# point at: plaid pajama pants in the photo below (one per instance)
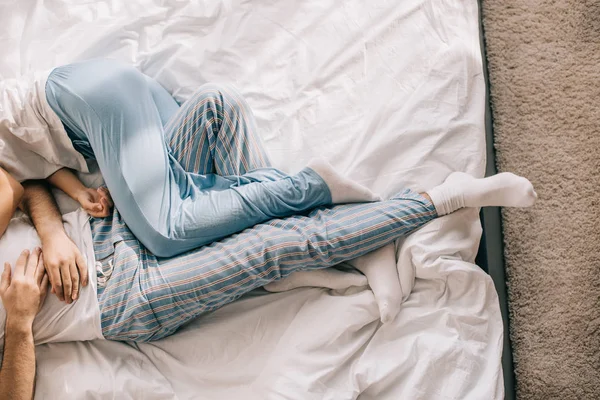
(143, 297)
(187, 191)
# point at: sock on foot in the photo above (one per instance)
(328, 278)
(343, 190)
(379, 267)
(501, 190)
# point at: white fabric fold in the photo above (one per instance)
(392, 94)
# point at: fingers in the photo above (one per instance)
(106, 194)
(91, 206)
(105, 206)
(65, 274)
(91, 203)
(21, 262)
(32, 262)
(44, 284)
(5, 278)
(74, 282)
(83, 270)
(43, 289)
(98, 214)
(40, 271)
(97, 203)
(96, 209)
(56, 280)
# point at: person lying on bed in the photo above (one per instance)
(136, 296)
(212, 134)
(167, 167)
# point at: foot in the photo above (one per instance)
(343, 190)
(501, 190)
(328, 278)
(379, 267)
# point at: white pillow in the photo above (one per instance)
(57, 321)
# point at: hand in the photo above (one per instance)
(96, 202)
(65, 266)
(24, 290)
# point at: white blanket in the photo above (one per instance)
(392, 93)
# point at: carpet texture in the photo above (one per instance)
(544, 66)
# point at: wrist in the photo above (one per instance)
(22, 326)
(48, 236)
(77, 193)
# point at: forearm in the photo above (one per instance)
(65, 265)
(41, 207)
(65, 180)
(17, 375)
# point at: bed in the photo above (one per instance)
(394, 95)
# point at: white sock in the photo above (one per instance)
(330, 278)
(343, 190)
(501, 190)
(379, 267)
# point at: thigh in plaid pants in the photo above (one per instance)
(182, 177)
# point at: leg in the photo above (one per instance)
(379, 266)
(329, 278)
(215, 132)
(231, 147)
(154, 301)
(167, 208)
(501, 190)
(379, 272)
(165, 104)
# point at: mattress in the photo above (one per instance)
(392, 94)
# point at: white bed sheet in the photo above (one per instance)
(392, 93)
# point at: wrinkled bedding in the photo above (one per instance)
(391, 93)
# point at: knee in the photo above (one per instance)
(226, 96)
(107, 71)
(109, 87)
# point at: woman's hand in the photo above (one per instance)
(96, 202)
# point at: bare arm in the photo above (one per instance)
(11, 192)
(66, 181)
(23, 292)
(64, 263)
(96, 202)
(18, 365)
(41, 207)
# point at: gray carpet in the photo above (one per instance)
(544, 65)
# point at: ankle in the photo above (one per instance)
(424, 194)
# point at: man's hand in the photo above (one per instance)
(65, 266)
(24, 290)
(96, 202)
